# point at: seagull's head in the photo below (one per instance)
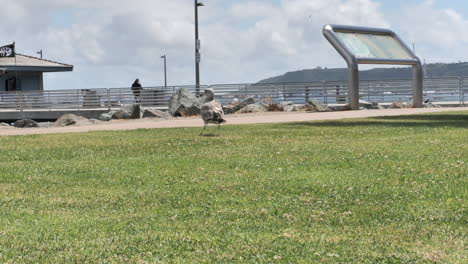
(209, 94)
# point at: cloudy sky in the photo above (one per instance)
(112, 42)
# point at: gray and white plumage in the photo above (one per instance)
(211, 111)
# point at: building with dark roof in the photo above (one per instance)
(25, 73)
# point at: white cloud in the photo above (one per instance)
(112, 42)
(253, 9)
(439, 34)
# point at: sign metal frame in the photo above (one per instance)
(329, 31)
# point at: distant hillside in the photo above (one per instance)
(435, 70)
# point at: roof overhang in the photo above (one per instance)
(26, 63)
(36, 69)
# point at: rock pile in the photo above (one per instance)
(25, 123)
(71, 120)
(287, 106)
(126, 112)
(396, 105)
(184, 103)
(431, 105)
(232, 108)
(316, 106)
(106, 117)
(254, 108)
(153, 113)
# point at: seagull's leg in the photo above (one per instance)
(219, 129)
(204, 127)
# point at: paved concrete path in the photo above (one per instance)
(237, 119)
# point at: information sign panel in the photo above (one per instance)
(360, 45)
(374, 46)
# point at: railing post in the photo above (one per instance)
(381, 91)
(325, 97)
(142, 97)
(462, 92)
(108, 99)
(78, 99)
(306, 93)
(368, 91)
(50, 101)
(21, 100)
(284, 92)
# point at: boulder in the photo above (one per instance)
(127, 112)
(273, 107)
(431, 105)
(300, 107)
(396, 105)
(25, 123)
(254, 108)
(45, 124)
(71, 120)
(153, 113)
(230, 109)
(282, 107)
(367, 105)
(184, 103)
(106, 116)
(95, 121)
(339, 108)
(381, 107)
(4, 125)
(316, 106)
(288, 106)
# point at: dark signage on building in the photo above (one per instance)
(7, 51)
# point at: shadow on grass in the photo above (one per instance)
(440, 120)
(210, 135)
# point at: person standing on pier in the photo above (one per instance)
(136, 89)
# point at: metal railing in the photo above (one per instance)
(84, 99)
(454, 90)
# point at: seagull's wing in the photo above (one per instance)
(218, 112)
(207, 112)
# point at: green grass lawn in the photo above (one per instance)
(378, 190)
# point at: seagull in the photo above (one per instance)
(212, 111)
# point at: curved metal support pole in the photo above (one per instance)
(353, 69)
(417, 85)
(353, 86)
(353, 61)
